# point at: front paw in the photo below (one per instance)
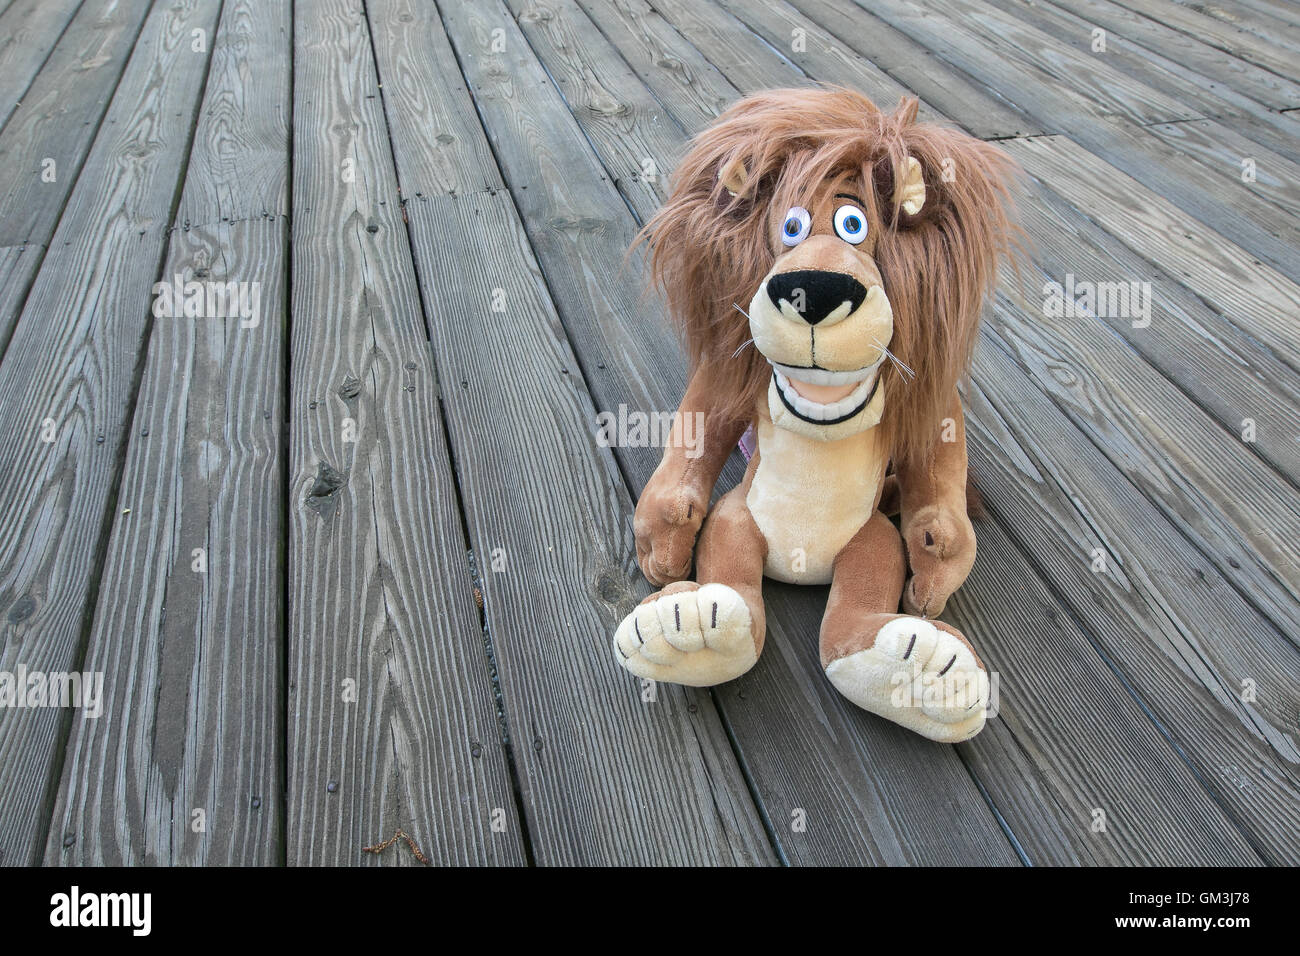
(666, 525)
(940, 552)
(688, 634)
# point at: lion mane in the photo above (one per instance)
(710, 249)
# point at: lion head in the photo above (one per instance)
(813, 240)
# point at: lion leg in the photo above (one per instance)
(921, 674)
(711, 632)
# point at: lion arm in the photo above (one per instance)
(676, 498)
(936, 529)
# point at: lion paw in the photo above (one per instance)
(697, 636)
(919, 676)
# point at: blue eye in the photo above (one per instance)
(796, 226)
(850, 224)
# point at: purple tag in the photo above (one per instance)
(747, 443)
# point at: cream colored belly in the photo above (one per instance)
(810, 497)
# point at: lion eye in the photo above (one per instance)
(850, 224)
(795, 228)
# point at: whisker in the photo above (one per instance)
(898, 364)
(747, 342)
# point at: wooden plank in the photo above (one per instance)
(1256, 298)
(1219, 93)
(193, 657)
(1173, 46)
(844, 59)
(62, 113)
(390, 715)
(606, 777)
(1069, 740)
(1256, 20)
(980, 111)
(1223, 36)
(1217, 146)
(1178, 633)
(1225, 371)
(1235, 508)
(28, 31)
(968, 36)
(856, 779)
(1076, 80)
(17, 266)
(79, 373)
(1283, 10)
(690, 87)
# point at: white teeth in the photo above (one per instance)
(818, 412)
(825, 376)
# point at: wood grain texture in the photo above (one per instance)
(18, 264)
(689, 87)
(858, 778)
(1211, 94)
(1076, 80)
(981, 111)
(1223, 369)
(1275, 26)
(391, 722)
(1227, 72)
(193, 657)
(1258, 299)
(1047, 82)
(29, 30)
(61, 114)
(606, 776)
(1182, 637)
(1237, 510)
(1223, 36)
(1069, 733)
(79, 374)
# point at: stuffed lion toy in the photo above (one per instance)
(827, 264)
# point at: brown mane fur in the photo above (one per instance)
(710, 250)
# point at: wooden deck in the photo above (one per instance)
(326, 561)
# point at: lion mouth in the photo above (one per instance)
(816, 375)
(825, 413)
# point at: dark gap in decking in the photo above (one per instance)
(286, 448)
(503, 722)
(107, 522)
(993, 807)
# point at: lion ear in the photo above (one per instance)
(910, 189)
(733, 175)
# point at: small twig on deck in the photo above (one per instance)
(400, 834)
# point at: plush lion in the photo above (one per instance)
(827, 264)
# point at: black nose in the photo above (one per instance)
(815, 294)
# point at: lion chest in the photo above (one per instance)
(809, 497)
